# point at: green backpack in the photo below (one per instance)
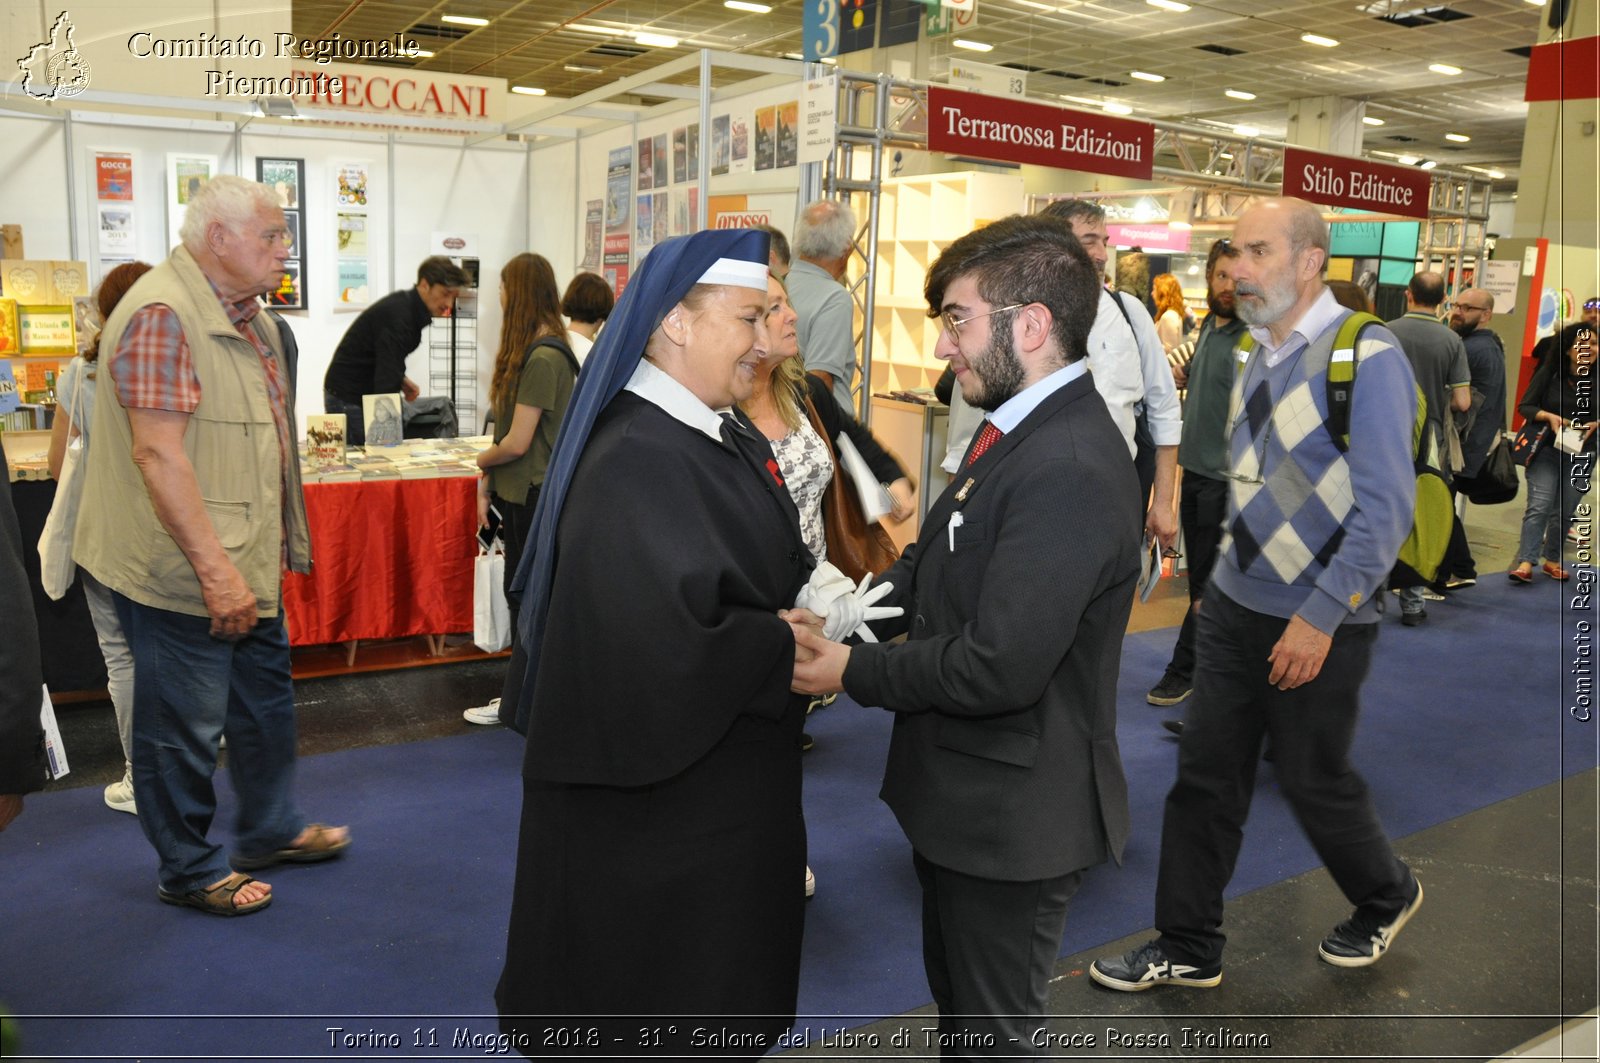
(1433, 516)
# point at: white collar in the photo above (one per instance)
(657, 387)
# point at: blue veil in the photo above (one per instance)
(664, 278)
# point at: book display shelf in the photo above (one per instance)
(918, 218)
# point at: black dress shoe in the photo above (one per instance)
(1175, 726)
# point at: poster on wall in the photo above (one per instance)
(680, 211)
(644, 228)
(186, 175)
(351, 193)
(285, 177)
(619, 228)
(739, 143)
(351, 185)
(694, 151)
(647, 169)
(680, 155)
(593, 226)
(721, 150)
(663, 163)
(352, 283)
(352, 229)
(662, 212)
(288, 295)
(766, 137)
(113, 176)
(116, 230)
(787, 135)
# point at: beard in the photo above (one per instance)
(998, 373)
(1464, 329)
(1274, 301)
(1224, 305)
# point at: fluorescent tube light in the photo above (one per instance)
(1238, 94)
(1319, 40)
(972, 46)
(1371, 120)
(1143, 76)
(1174, 5)
(1445, 69)
(656, 40)
(527, 90)
(745, 5)
(1458, 138)
(464, 20)
(1116, 108)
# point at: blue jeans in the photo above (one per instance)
(188, 689)
(1556, 482)
(355, 430)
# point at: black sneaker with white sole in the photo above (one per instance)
(1362, 940)
(1172, 689)
(1147, 966)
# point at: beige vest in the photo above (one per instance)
(230, 440)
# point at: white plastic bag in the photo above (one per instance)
(56, 568)
(491, 619)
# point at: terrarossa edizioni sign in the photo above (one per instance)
(1012, 130)
(1340, 181)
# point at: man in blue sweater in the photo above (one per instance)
(1286, 635)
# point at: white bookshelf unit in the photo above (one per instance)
(918, 218)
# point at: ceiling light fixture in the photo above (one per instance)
(604, 30)
(1086, 101)
(1246, 131)
(828, 60)
(745, 5)
(1367, 118)
(1430, 164)
(1319, 40)
(1444, 68)
(577, 69)
(421, 53)
(1457, 138)
(1238, 94)
(1116, 108)
(1407, 160)
(527, 90)
(656, 40)
(1174, 5)
(1143, 76)
(464, 20)
(1225, 155)
(972, 46)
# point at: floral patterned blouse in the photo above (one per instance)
(807, 468)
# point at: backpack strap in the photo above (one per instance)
(1341, 376)
(557, 343)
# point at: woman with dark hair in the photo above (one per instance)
(533, 376)
(587, 302)
(74, 416)
(1561, 395)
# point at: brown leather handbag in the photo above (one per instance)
(855, 547)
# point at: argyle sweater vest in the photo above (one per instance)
(1290, 496)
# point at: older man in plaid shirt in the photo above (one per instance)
(191, 510)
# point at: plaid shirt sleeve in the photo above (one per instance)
(152, 367)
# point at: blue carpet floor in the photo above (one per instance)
(407, 932)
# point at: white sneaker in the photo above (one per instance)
(811, 883)
(119, 795)
(484, 715)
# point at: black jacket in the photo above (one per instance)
(371, 358)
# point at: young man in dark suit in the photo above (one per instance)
(1003, 768)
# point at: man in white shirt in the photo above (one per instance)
(1129, 368)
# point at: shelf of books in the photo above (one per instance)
(45, 318)
(918, 218)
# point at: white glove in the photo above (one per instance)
(844, 607)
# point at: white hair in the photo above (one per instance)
(826, 229)
(226, 199)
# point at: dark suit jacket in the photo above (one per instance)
(1004, 761)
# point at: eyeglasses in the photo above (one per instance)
(1469, 306)
(952, 324)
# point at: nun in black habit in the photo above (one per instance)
(661, 860)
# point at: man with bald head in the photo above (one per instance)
(1286, 635)
(1470, 315)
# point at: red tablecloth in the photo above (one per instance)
(389, 558)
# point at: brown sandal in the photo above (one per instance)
(321, 846)
(218, 900)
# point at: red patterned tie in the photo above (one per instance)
(986, 439)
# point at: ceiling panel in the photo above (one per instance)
(562, 46)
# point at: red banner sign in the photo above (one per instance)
(1564, 70)
(1340, 181)
(988, 127)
